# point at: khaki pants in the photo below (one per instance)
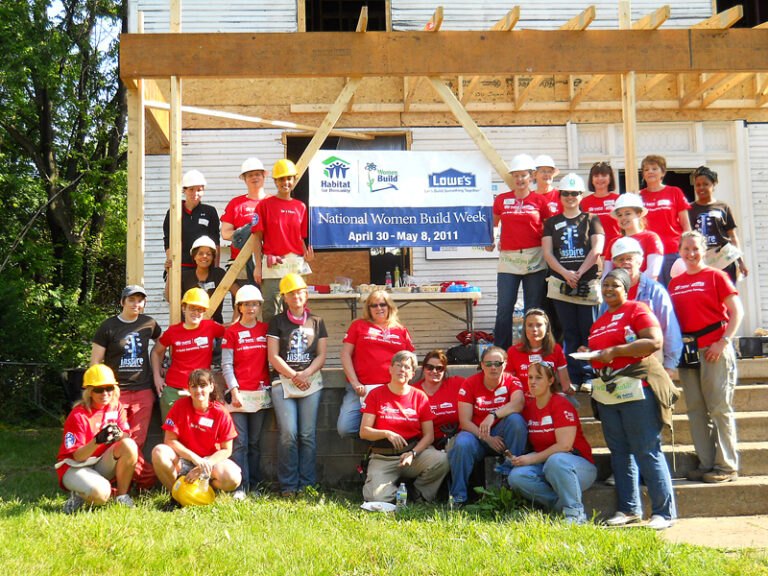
(85, 478)
(428, 469)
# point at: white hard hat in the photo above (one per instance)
(572, 182)
(544, 160)
(250, 164)
(522, 162)
(193, 178)
(200, 242)
(629, 200)
(248, 293)
(626, 245)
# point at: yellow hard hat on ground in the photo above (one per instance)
(292, 282)
(190, 494)
(283, 168)
(99, 375)
(197, 297)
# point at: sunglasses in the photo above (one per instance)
(566, 193)
(101, 389)
(599, 164)
(434, 368)
(494, 363)
(379, 305)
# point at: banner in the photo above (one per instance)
(364, 199)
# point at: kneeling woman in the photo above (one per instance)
(398, 420)
(97, 446)
(561, 467)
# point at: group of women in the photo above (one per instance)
(442, 424)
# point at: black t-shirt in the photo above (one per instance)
(714, 221)
(202, 221)
(572, 240)
(215, 276)
(127, 349)
(298, 342)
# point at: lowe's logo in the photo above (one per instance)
(335, 167)
(452, 178)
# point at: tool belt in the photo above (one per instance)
(384, 448)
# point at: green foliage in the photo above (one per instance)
(500, 500)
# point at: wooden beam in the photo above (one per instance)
(578, 22)
(723, 87)
(449, 53)
(703, 87)
(472, 129)
(762, 91)
(159, 119)
(362, 26)
(134, 241)
(409, 86)
(506, 24)
(174, 17)
(174, 236)
(629, 111)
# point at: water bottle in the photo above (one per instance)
(629, 335)
(203, 484)
(402, 496)
(388, 280)
(397, 275)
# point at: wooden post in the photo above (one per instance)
(174, 274)
(134, 242)
(629, 111)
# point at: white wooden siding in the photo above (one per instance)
(758, 161)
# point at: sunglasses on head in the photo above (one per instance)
(569, 193)
(599, 164)
(434, 367)
(379, 305)
(104, 389)
(494, 363)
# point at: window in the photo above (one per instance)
(342, 15)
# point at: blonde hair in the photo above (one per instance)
(87, 401)
(392, 317)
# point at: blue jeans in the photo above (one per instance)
(556, 483)
(468, 450)
(348, 423)
(633, 429)
(507, 286)
(246, 451)
(666, 266)
(296, 445)
(576, 320)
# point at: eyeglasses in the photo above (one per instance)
(566, 193)
(379, 305)
(101, 389)
(399, 365)
(494, 363)
(434, 367)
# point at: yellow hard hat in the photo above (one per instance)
(197, 297)
(283, 168)
(99, 375)
(292, 282)
(189, 493)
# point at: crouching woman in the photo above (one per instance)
(398, 420)
(560, 467)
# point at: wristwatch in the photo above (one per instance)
(727, 339)
(495, 416)
(415, 454)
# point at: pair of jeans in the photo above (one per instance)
(246, 450)
(468, 450)
(577, 321)
(633, 429)
(666, 267)
(507, 286)
(348, 423)
(296, 445)
(556, 483)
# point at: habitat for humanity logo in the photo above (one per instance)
(335, 171)
(452, 178)
(380, 180)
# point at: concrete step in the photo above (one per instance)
(751, 427)
(682, 459)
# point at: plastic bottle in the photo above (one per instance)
(203, 485)
(388, 280)
(629, 335)
(402, 496)
(397, 275)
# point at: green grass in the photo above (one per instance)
(323, 534)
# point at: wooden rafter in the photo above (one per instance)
(579, 22)
(362, 26)
(409, 85)
(725, 85)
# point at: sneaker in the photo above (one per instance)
(718, 476)
(125, 500)
(621, 519)
(696, 475)
(610, 481)
(171, 505)
(73, 504)
(238, 495)
(659, 522)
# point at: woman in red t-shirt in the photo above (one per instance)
(708, 307)
(630, 213)
(398, 420)
(443, 394)
(560, 467)
(602, 184)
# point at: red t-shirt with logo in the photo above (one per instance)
(444, 403)
(663, 209)
(82, 425)
(699, 301)
(611, 330)
(283, 224)
(552, 200)
(190, 350)
(542, 423)
(602, 208)
(650, 243)
(374, 348)
(201, 432)
(473, 391)
(250, 354)
(239, 212)
(522, 221)
(519, 361)
(401, 414)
